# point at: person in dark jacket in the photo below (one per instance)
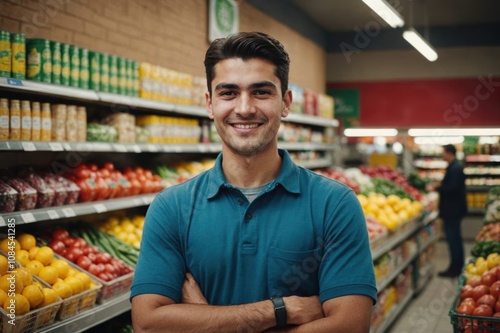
(452, 209)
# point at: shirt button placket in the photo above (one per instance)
(248, 217)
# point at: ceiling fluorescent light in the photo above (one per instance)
(453, 131)
(383, 9)
(438, 140)
(413, 37)
(364, 132)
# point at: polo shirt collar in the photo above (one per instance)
(288, 176)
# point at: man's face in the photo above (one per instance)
(246, 104)
(448, 157)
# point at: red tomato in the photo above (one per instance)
(95, 270)
(469, 300)
(483, 311)
(488, 278)
(148, 174)
(69, 241)
(79, 242)
(497, 306)
(75, 253)
(84, 262)
(487, 299)
(103, 258)
(110, 269)
(465, 309)
(475, 281)
(103, 190)
(479, 291)
(135, 186)
(86, 191)
(59, 234)
(57, 245)
(109, 166)
(495, 288)
(81, 171)
(92, 256)
(103, 173)
(466, 291)
(93, 167)
(104, 276)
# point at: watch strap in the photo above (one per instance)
(279, 311)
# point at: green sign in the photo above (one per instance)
(223, 18)
(346, 102)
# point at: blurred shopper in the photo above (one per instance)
(256, 243)
(452, 209)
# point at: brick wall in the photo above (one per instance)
(170, 33)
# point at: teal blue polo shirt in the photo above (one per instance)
(304, 235)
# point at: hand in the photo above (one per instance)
(191, 292)
(302, 310)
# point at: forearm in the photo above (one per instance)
(327, 325)
(186, 318)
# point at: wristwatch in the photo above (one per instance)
(279, 311)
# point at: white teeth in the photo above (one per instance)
(245, 126)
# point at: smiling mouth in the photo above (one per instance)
(245, 126)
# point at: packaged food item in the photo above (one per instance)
(65, 65)
(135, 76)
(74, 65)
(55, 50)
(124, 124)
(4, 119)
(39, 60)
(101, 133)
(46, 120)
(58, 122)
(15, 120)
(45, 194)
(72, 189)
(25, 120)
(27, 195)
(81, 120)
(18, 45)
(104, 73)
(113, 74)
(84, 68)
(94, 70)
(8, 198)
(71, 123)
(60, 193)
(297, 98)
(35, 121)
(310, 102)
(5, 54)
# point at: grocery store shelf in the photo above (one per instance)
(422, 280)
(305, 145)
(85, 320)
(313, 164)
(394, 274)
(395, 239)
(479, 188)
(482, 158)
(394, 313)
(54, 213)
(432, 239)
(311, 120)
(430, 217)
(474, 210)
(47, 89)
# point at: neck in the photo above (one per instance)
(251, 171)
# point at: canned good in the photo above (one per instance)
(104, 83)
(55, 50)
(95, 70)
(113, 74)
(39, 60)
(74, 65)
(84, 68)
(65, 65)
(130, 77)
(18, 45)
(122, 76)
(135, 78)
(5, 54)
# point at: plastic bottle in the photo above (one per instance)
(25, 120)
(35, 121)
(46, 122)
(4, 119)
(15, 120)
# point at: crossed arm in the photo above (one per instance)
(156, 313)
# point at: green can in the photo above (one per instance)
(55, 50)
(104, 84)
(5, 54)
(39, 60)
(135, 78)
(18, 46)
(122, 76)
(95, 70)
(113, 74)
(130, 77)
(74, 66)
(65, 65)
(84, 68)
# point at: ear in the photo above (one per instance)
(287, 103)
(208, 102)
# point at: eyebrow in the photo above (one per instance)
(256, 85)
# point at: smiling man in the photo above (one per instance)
(257, 243)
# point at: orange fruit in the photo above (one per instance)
(4, 265)
(33, 252)
(34, 295)
(37, 283)
(23, 257)
(85, 279)
(72, 271)
(45, 255)
(48, 274)
(11, 280)
(6, 242)
(20, 302)
(34, 266)
(62, 289)
(25, 275)
(26, 241)
(62, 267)
(75, 284)
(49, 296)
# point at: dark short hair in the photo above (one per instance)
(450, 149)
(248, 45)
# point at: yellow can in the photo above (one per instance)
(18, 45)
(5, 54)
(4, 119)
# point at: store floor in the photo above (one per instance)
(428, 311)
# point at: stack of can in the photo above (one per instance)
(12, 55)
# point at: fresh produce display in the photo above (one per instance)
(490, 231)
(125, 229)
(88, 257)
(493, 205)
(339, 176)
(417, 182)
(375, 229)
(403, 188)
(363, 181)
(181, 171)
(483, 248)
(101, 133)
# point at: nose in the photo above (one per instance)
(244, 106)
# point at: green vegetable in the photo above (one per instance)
(101, 133)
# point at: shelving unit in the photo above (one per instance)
(394, 313)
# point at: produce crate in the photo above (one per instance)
(469, 323)
(111, 289)
(78, 303)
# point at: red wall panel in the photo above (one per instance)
(431, 103)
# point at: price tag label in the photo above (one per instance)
(120, 148)
(53, 214)
(68, 212)
(100, 208)
(202, 148)
(28, 217)
(28, 146)
(136, 149)
(55, 146)
(137, 202)
(2, 222)
(15, 82)
(147, 200)
(177, 149)
(67, 146)
(4, 145)
(152, 148)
